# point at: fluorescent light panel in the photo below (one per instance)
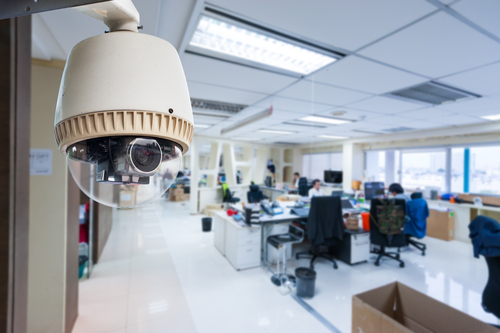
(325, 120)
(274, 132)
(235, 41)
(246, 139)
(201, 126)
(492, 117)
(332, 137)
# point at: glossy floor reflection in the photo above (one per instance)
(160, 273)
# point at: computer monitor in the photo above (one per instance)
(374, 190)
(337, 193)
(333, 177)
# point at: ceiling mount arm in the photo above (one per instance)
(118, 15)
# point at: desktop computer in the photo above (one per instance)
(374, 190)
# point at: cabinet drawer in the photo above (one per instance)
(249, 232)
(248, 254)
(360, 239)
(253, 239)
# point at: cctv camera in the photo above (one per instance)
(123, 116)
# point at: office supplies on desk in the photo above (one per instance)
(347, 207)
(267, 208)
(276, 208)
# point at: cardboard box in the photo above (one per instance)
(441, 225)
(398, 308)
(289, 197)
(352, 223)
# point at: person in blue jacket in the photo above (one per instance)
(417, 213)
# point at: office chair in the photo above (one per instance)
(280, 242)
(485, 236)
(381, 211)
(417, 213)
(255, 195)
(325, 228)
(228, 195)
(303, 187)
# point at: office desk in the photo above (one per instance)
(272, 193)
(237, 241)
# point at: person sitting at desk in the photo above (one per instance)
(315, 190)
(398, 192)
(295, 182)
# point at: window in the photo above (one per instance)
(485, 170)
(424, 168)
(375, 166)
(314, 165)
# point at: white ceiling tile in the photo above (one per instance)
(423, 124)
(483, 81)
(425, 113)
(44, 44)
(350, 114)
(389, 120)
(222, 94)
(321, 93)
(471, 107)
(345, 24)
(458, 119)
(292, 105)
(437, 46)
(365, 75)
(484, 13)
(385, 105)
(222, 73)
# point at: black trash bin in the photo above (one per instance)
(306, 278)
(206, 224)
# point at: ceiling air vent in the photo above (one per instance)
(399, 129)
(432, 93)
(225, 108)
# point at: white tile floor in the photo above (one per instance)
(160, 273)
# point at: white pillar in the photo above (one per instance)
(390, 167)
(353, 164)
(195, 175)
(260, 165)
(229, 164)
(215, 152)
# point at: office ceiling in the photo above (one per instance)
(390, 45)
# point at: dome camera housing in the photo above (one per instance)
(123, 117)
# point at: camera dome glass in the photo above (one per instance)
(124, 172)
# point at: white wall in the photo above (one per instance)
(48, 204)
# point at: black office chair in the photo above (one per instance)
(324, 229)
(387, 237)
(228, 196)
(417, 213)
(485, 236)
(255, 195)
(303, 188)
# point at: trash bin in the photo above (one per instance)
(206, 224)
(306, 278)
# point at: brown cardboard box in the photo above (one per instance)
(441, 225)
(352, 223)
(397, 308)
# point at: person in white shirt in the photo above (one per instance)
(315, 191)
(296, 177)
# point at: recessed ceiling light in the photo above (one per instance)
(332, 137)
(325, 120)
(492, 117)
(246, 139)
(274, 132)
(222, 38)
(201, 126)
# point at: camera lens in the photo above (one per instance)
(145, 155)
